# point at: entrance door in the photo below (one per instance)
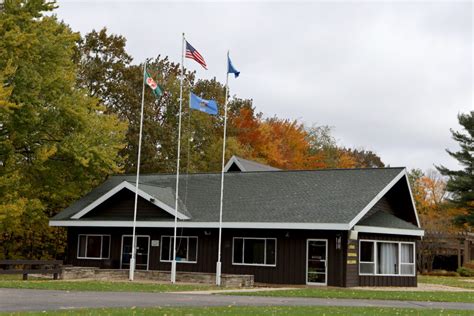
(316, 265)
(143, 249)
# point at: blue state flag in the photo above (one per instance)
(230, 68)
(206, 106)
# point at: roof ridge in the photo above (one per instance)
(260, 171)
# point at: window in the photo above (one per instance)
(93, 247)
(407, 259)
(367, 260)
(186, 249)
(254, 251)
(386, 258)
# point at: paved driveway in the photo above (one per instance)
(39, 300)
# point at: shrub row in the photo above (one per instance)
(466, 272)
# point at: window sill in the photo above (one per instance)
(255, 265)
(169, 261)
(384, 275)
(90, 258)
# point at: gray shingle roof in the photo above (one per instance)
(166, 195)
(385, 219)
(317, 196)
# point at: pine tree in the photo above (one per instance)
(461, 182)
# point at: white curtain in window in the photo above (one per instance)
(388, 258)
(406, 253)
(407, 260)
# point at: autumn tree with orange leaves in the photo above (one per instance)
(288, 144)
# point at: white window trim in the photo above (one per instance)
(101, 245)
(264, 252)
(399, 257)
(187, 248)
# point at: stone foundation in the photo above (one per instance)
(228, 280)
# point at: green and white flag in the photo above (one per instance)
(153, 85)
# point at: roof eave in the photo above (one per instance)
(190, 224)
(389, 230)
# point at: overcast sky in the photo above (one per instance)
(388, 77)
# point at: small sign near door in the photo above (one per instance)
(155, 243)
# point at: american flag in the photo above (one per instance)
(194, 54)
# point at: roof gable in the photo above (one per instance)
(394, 213)
(146, 192)
(236, 164)
(398, 192)
(120, 206)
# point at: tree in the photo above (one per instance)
(56, 142)
(284, 144)
(461, 182)
(364, 158)
(327, 154)
(106, 72)
(436, 216)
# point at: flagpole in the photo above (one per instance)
(134, 250)
(173, 262)
(219, 264)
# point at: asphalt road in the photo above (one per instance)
(42, 300)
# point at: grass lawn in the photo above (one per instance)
(14, 281)
(462, 282)
(232, 310)
(441, 296)
(320, 292)
(466, 297)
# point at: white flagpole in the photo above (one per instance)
(173, 262)
(134, 250)
(219, 264)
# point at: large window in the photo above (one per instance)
(254, 251)
(93, 247)
(386, 258)
(186, 249)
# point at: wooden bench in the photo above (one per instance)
(26, 267)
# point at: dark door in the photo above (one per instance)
(316, 265)
(143, 248)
